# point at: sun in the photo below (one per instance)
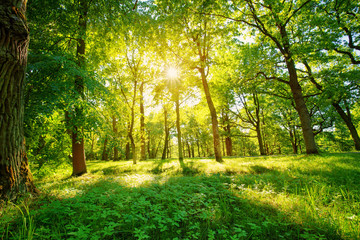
(172, 73)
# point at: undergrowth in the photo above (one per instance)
(287, 197)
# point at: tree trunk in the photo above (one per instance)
(169, 147)
(260, 140)
(133, 148)
(188, 148)
(293, 141)
(198, 148)
(104, 156)
(142, 123)
(78, 149)
(227, 129)
(149, 145)
(115, 131)
(347, 119)
(166, 140)
(127, 151)
(131, 137)
(214, 121)
(301, 108)
(15, 176)
(177, 103)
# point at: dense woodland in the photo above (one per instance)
(132, 80)
(137, 119)
(136, 80)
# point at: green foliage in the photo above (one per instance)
(290, 197)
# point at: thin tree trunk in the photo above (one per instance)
(133, 148)
(198, 148)
(149, 145)
(15, 176)
(293, 142)
(169, 148)
(127, 151)
(188, 148)
(115, 131)
(227, 129)
(214, 121)
(104, 156)
(131, 137)
(131, 128)
(166, 139)
(142, 123)
(177, 103)
(260, 140)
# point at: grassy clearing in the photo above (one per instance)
(282, 197)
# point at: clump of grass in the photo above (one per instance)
(289, 197)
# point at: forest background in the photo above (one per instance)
(248, 54)
(138, 80)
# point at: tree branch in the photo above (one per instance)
(351, 56)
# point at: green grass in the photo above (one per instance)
(280, 197)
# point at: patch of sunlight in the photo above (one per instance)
(71, 192)
(137, 180)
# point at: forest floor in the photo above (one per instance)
(279, 197)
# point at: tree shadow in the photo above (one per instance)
(201, 207)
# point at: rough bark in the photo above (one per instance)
(15, 175)
(300, 106)
(214, 121)
(142, 124)
(78, 148)
(177, 103)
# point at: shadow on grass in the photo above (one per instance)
(186, 169)
(200, 207)
(113, 170)
(194, 206)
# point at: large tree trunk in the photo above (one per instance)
(142, 123)
(15, 175)
(214, 121)
(301, 108)
(78, 149)
(177, 103)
